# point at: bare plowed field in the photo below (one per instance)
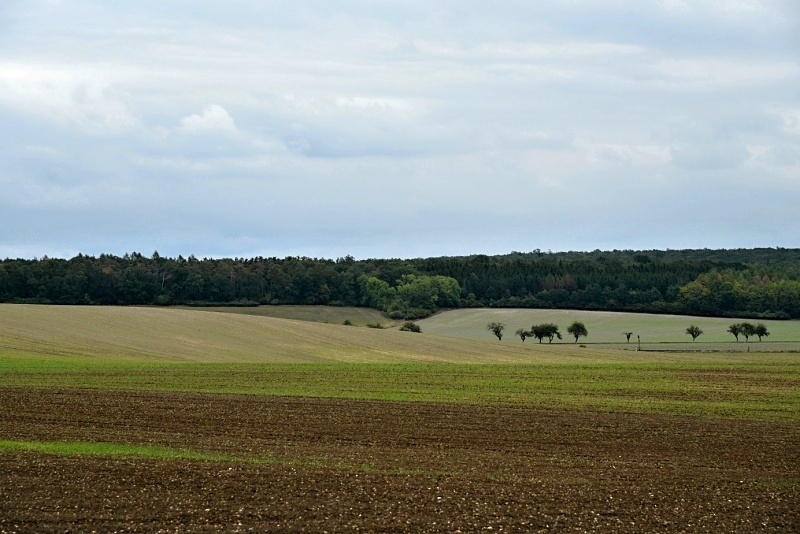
(301, 464)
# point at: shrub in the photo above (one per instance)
(242, 303)
(409, 313)
(348, 322)
(408, 326)
(374, 325)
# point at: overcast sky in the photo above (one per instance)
(397, 129)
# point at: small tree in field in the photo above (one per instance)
(694, 331)
(496, 329)
(552, 331)
(747, 330)
(627, 336)
(577, 329)
(523, 334)
(546, 330)
(761, 331)
(735, 329)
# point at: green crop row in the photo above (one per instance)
(126, 450)
(767, 389)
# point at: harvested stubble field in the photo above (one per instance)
(318, 314)
(131, 438)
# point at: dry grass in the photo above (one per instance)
(176, 334)
(188, 335)
(318, 314)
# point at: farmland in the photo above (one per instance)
(146, 418)
(318, 314)
(608, 327)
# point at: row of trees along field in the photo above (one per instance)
(578, 329)
(760, 283)
(747, 330)
(540, 331)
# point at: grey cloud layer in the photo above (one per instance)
(273, 128)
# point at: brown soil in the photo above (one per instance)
(335, 465)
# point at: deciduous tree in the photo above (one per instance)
(538, 332)
(552, 331)
(761, 331)
(523, 334)
(747, 330)
(694, 331)
(546, 330)
(735, 329)
(627, 336)
(577, 329)
(496, 329)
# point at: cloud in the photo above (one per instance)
(214, 118)
(723, 6)
(633, 154)
(378, 105)
(79, 96)
(264, 128)
(720, 73)
(790, 118)
(526, 51)
(705, 157)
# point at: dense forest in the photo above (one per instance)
(760, 283)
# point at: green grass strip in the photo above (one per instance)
(80, 448)
(120, 450)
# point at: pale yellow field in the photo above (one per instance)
(319, 314)
(179, 334)
(189, 335)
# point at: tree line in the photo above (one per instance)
(577, 329)
(745, 329)
(757, 283)
(540, 331)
